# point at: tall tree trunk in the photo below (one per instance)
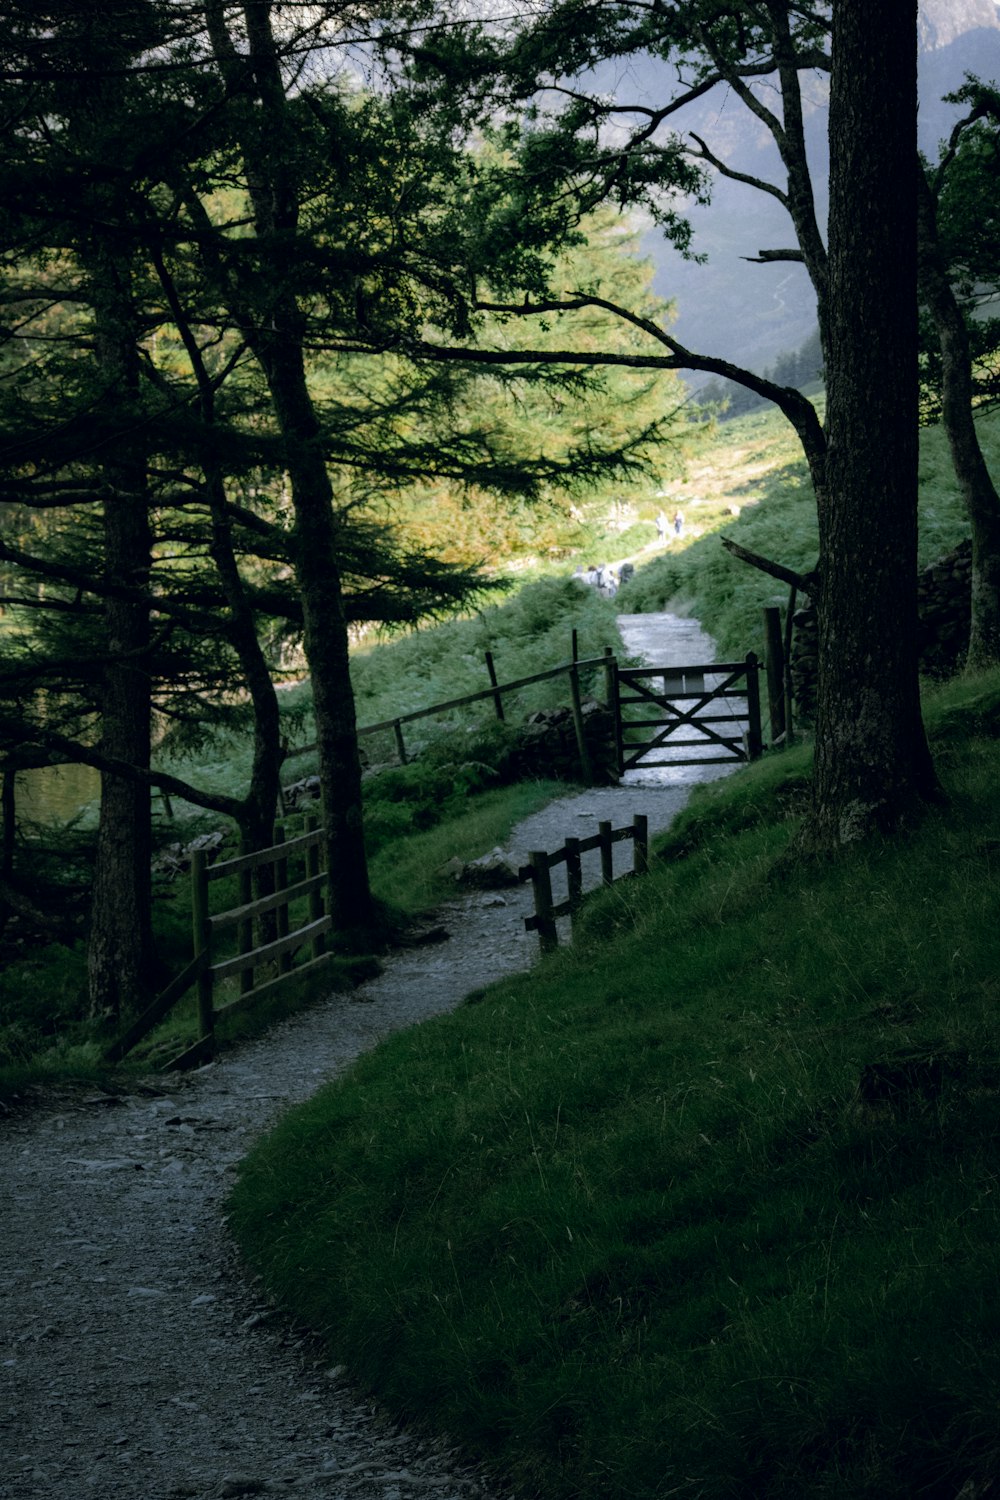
(872, 764)
(120, 960)
(317, 572)
(978, 490)
(256, 814)
(272, 326)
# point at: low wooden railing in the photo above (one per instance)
(206, 969)
(496, 690)
(540, 865)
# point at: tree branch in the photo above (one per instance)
(804, 582)
(705, 154)
(767, 257)
(799, 411)
(71, 750)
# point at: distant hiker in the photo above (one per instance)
(592, 577)
(610, 588)
(678, 524)
(625, 572)
(661, 526)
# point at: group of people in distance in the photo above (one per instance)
(605, 578)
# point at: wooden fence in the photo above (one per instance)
(262, 966)
(207, 968)
(570, 669)
(540, 865)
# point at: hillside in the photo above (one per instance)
(706, 1204)
(750, 482)
(751, 313)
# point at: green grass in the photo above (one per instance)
(407, 873)
(708, 1204)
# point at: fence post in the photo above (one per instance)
(754, 745)
(576, 645)
(607, 854)
(397, 730)
(315, 897)
(245, 929)
(609, 677)
(497, 697)
(541, 885)
(581, 739)
(574, 876)
(280, 884)
(640, 844)
(202, 935)
(774, 662)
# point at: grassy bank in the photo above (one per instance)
(708, 1204)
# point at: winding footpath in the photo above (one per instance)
(136, 1362)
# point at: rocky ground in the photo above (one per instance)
(136, 1360)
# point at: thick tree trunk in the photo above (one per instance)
(120, 957)
(872, 763)
(978, 490)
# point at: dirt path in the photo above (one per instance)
(135, 1362)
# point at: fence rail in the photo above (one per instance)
(540, 866)
(207, 969)
(570, 669)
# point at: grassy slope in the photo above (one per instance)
(708, 1204)
(679, 1213)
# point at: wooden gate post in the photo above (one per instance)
(774, 663)
(245, 930)
(541, 885)
(202, 934)
(397, 730)
(610, 664)
(616, 710)
(640, 844)
(755, 746)
(280, 884)
(581, 739)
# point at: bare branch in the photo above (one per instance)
(704, 153)
(766, 257)
(804, 582)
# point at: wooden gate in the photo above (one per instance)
(698, 715)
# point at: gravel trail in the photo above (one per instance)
(136, 1363)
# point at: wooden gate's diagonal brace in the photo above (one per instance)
(708, 735)
(634, 753)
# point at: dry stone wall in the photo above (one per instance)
(943, 592)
